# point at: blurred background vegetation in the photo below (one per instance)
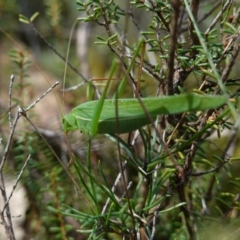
(54, 207)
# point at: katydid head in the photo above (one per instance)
(69, 123)
(75, 121)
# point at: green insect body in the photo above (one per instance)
(131, 115)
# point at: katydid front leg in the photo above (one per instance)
(99, 106)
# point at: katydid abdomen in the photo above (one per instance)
(131, 115)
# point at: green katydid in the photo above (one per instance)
(131, 116)
(99, 116)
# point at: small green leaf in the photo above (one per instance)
(101, 43)
(112, 37)
(78, 2)
(23, 19)
(208, 162)
(233, 30)
(147, 33)
(218, 158)
(211, 74)
(81, 19)
(234, 183)
(34, 16)
(101, 38)
(235, 159)
(54, 229)
(174, 207)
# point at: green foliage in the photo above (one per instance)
(165, 188)
(175, 179)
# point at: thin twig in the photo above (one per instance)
(18, 178)
(196, 174)
(43, 95)
(6, 151)
(10, 100)
(214, 22)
